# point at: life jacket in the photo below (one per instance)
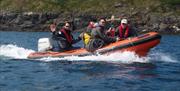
(87, 34)
(86, 38)
(123, 33)
(111, 33)
(91, 25)
(68, 36)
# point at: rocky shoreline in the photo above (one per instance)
(143, 22)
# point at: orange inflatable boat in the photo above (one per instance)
(140, 45)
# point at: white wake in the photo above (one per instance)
(163, 57)
(14, 51)
(122, 57)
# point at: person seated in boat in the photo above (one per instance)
(90, 27)
(85, 35)
(98, 38)
(62, 39)
(92, 24)
(124, 31)
(111, 31)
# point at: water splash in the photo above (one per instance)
(14, 51)
(122, 57)
(163, 57)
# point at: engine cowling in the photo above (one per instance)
(44, 44)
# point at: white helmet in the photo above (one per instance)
(124, 21)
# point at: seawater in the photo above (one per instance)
(159, 71)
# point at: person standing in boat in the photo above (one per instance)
(124, 31)
(98, 37)
(62, 38)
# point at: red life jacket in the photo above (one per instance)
(68, 36)
(112, 32)
(91, 25)
(123, 33)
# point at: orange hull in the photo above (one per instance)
(140, 45)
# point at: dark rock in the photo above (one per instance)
(163, 27)
(18, 20)
(140, 19)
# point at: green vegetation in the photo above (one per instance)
(87, 6)
(171, 2)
